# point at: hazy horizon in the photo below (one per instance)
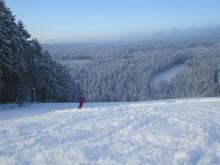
(97, 21)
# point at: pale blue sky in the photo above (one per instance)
(58, 21)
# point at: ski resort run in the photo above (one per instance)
(185, 131)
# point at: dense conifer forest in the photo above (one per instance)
(24, 64)
(128, 71)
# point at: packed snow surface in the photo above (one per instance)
(183, 131)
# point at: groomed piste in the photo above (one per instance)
(185, 131)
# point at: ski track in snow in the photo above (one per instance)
(183, 131)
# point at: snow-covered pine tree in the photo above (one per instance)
(24, 64)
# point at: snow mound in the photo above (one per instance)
(183, 131)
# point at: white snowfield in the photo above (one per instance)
(183, 131)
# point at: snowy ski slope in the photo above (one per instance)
(183, 131)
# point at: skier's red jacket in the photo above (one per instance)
(81, 101)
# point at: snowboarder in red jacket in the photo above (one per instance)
(81, 101)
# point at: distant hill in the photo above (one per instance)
(59, 50)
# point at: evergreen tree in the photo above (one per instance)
(23, 63)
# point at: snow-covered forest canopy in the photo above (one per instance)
(23, 64)
(132, 71)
